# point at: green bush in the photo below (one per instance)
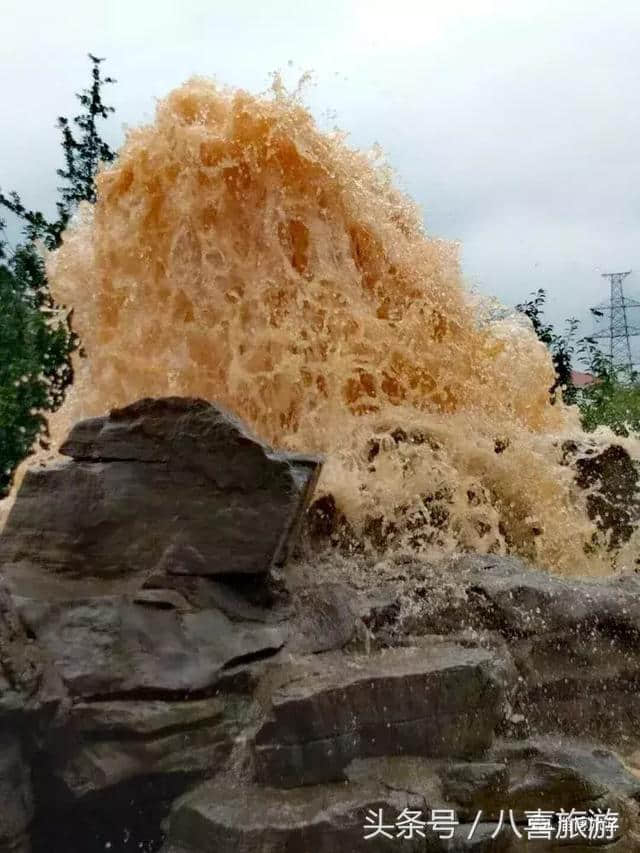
(612, 400)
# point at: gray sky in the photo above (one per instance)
(515, 125)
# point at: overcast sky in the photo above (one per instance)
(515, 125)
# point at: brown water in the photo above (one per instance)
(239, 254)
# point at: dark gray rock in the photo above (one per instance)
(249, 600)
(223, 816)
(18, 845)
(480, 839)
(521, 776)
(324, 619)
(31, 690)
(511, 597)
(21, 664)
(109, 646)
(575, 642)
(318, 618)
(462, 787)
(438, 700)
(611, 480)
(175, 485)
(552, 772)
(30, 698)
(16, 795)
(106, 744)
(323, 819)
(475, 784)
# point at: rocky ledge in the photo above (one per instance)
(167, 685)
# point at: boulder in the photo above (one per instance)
(323, 618)
(30, 697)
(16, 795)
(111, 646)
(475, 784)
(110, 744)
(175, 485)
(520, 777)
(253, 601)
(435, 700)
(611, 480)
(251, 819)
(22, 667)
(575, 642)
(564, 773)
(550, 774)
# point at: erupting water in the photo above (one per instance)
(239, 254)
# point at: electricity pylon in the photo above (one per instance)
(619, 328)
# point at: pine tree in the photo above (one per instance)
(82, 154)
(36, 340)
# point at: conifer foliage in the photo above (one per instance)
(36, 339)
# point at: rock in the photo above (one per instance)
(31, 691)
(30, 697)
(149, 644)
(324, 619)
(438, 700)
(21, 664)
(111, 646)
(109, 743)
(320, 617)
(435, 781)
(252, 601)
(158, 643)
(575, 642)
(576, 645)
(323, 818)
(16, 795)
(519, 776)
(479, 839)
(19, 845)
(506, 595)
(612, 481)
(475, 784)
(108, 777)
(553, 772)
(175, 485)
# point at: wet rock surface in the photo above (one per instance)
(168, 706)
(256, 819)
(575, 643)
(545, 774)
(438, 700)
(612, 481)
(175, 485)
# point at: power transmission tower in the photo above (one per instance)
(618, 328)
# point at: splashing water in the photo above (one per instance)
(239, 254)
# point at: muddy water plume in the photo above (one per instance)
(239, 254)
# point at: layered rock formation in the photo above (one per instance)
(173, 485)
(165, 685)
